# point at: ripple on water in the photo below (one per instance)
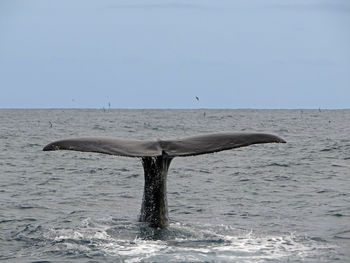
(343, 235)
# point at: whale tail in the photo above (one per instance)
(156, 157)
(173, 148)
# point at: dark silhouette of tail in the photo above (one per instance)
(156, 157)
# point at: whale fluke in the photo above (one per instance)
(156, 158)
(182, 147)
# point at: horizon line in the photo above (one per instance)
(106, 108)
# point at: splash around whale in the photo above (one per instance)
(156, 157)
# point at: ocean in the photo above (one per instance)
(262, 203)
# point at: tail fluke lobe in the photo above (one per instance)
(215, 142)
(120, 147)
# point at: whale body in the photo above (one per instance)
(156, 157)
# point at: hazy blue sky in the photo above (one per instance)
(161, 53)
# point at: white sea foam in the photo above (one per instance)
(207, 243)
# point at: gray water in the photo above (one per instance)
(263, 203)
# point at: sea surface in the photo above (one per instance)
(262, 203)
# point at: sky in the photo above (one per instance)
(273, 54)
